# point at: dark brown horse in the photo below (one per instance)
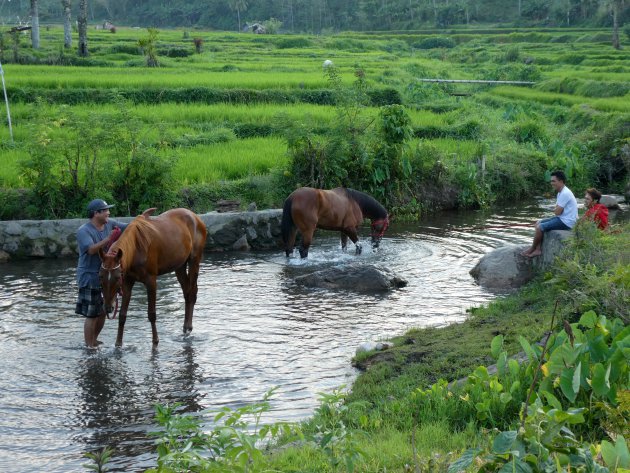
(173, 241)
(340, 209)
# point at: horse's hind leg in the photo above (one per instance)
(307, 238)
(288, 249)
(151, 285)
(188, 282)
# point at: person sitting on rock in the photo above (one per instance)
(565, 214)
(595, 212)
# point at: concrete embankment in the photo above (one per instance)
(57, 238)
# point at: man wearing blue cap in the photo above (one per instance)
(99, 232)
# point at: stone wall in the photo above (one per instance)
(57, 238)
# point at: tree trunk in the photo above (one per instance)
(67, 23)
(615, 12)
(82, 24)
(35, 24)
(238, 15)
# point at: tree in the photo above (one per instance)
(238, 6)
(616, 7)
(35, 24)
(67, 24)
(82, 23)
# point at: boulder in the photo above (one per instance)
(354, 277)
(505, 268)
(609, 201)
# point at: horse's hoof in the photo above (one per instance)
(359, 250)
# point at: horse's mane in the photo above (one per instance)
(370, 207)
(136, 237)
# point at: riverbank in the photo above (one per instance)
(382, 406)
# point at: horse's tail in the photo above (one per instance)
(286, 225)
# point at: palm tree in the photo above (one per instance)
(35, 24)
(67, 25)
(82, 24)
(238, 6)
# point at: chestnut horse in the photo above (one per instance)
(150, 246)
(340, 209)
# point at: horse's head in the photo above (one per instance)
(378, 230)
(110, 276)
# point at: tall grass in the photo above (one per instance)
(230, 161)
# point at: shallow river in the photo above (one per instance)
(253, 330)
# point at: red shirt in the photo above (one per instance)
(599, 214)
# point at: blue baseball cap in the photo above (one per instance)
(98, 204)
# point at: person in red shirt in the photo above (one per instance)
(595, 211)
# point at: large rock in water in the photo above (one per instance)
(354, 277)
(505, 268)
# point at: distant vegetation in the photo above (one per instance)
(250, 117)
(326, 16)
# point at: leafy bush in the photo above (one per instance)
(435, 42)
(124, 48)
(513, 72)
(295, 42)
(381, 97)
(175, 52)
(530, 131)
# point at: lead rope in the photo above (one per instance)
(119, 293)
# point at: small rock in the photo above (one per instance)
(609, 201)
(252, 207)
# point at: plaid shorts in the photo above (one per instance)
(89, 302)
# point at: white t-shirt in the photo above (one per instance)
(567, 201)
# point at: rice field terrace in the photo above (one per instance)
(219, 103)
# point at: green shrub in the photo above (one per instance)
(249, 130)
(175, 52)
(435, 42)
(382, 97)
(132, 49)
(295, 42)
(530, 131)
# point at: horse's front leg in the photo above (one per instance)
(354, 237)
(151, 285)
(122, 316)
(344, 242)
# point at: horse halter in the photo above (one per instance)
(120, 285)
(381, 221)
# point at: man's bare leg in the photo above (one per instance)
(536, 244)
(91, 329)
(536, 249)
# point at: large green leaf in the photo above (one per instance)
(563, 356)
(503, 442)
(589, 319)
(496, 346)
(599, 348)
(601, 379)
(617, 455)
(463, 462)
(527, 348)
(516, 466)
(567, 385)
